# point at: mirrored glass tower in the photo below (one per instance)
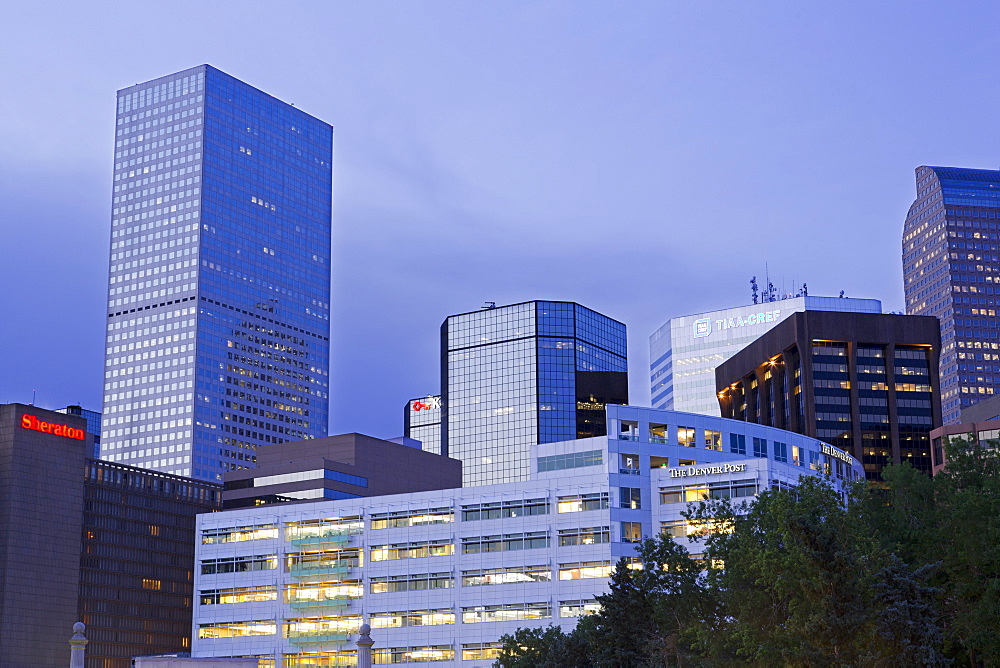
(218, 300)
(951, 269)
(520, 375)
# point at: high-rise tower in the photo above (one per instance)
(951, 269)
(218, 304)
(524, 374)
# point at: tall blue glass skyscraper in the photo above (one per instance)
(516, 376)
(951, 269)
(219, 291)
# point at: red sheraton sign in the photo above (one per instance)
(31, 422)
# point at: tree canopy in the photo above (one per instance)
(902, 573)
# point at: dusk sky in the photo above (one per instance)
(642, 158)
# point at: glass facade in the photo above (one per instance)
(422, 422)
(684, 352)
(951, 269)
(520, 375)
(218, 301)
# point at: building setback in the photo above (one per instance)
(346, 466)
(441, 575)
(218, 299)
(422, 422)
(515, 376)
(92, 541)
(867, 383)
(685, 351)
(951, 270)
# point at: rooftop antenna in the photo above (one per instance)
(33, 397)
(753, 288)
(489, 305)
(841, 294)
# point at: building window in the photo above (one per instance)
(263, 562)
(629, 464)
(322, 629)
(584, 536)
(657, 433)
(264, 627)
(411, 654)
(238, 534)
(412, 550)
(585, 570)
(685, 436)
(480, 651)
(631, 532)
(713, 440)
(505, 542)
(738, 444)
(759, 447)
(780, 452)
(629, 497)
(502, 509)
(509, 575)
(572, 460)
(317, 595)
(412, 518)
(580, 502)
(506, 612)
(580, 608)
(416, 582)
(239, 595)
(406, 618)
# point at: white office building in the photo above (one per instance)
(442, 575)
(684, 352)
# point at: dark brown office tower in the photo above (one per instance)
(92, 541)
(864, 382)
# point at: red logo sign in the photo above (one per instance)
(33, 423)
(428, 404)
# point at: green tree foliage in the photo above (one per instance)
(903, 573)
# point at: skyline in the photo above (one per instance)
(418, 95)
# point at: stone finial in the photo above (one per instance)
(77, 645)
(364, 643)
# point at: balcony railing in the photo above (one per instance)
(307, 570)
(337, 538)
(317, 637)
(316, 603)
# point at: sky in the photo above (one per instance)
(645, 159)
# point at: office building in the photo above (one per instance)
(864, 382)
(86, 540)
(422, 422)
(442, 575)
(93, 419)
(515, 376)
(951, 270)
(218, 301)
(685, 351)
(980, 424)
(347, 466)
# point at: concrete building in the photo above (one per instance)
(980, 424)
(347, 466)
(92, 541)
(513, 377)
(686, 350)
(867, 383)
(441, 575)
(218, 304)
(951, 270)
